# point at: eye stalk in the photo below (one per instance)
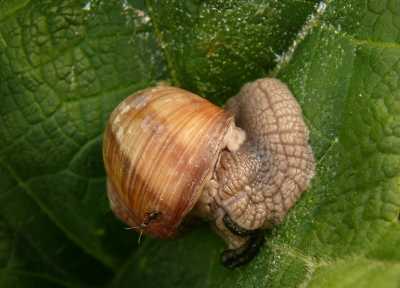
(171, 152)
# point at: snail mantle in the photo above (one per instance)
(169, 153)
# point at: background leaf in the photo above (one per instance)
(65, 65)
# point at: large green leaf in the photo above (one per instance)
(65, 65)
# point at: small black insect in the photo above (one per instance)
(150, 216)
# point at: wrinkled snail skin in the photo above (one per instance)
(278, 138)
(241, 168)
(258, 184)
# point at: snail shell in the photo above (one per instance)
(160, 146)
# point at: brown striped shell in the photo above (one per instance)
(160, 145)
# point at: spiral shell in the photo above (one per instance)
(160, 147)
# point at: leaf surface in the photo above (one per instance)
(65, 65)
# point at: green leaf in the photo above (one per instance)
(65, 65)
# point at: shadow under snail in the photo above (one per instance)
(169, 153)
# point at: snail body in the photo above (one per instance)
(171, 153)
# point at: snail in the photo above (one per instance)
(169, 153)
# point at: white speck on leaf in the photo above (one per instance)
(321, 7)
(87, 6)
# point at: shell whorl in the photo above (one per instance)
(159, 146)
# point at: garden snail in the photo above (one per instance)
(170, 152)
